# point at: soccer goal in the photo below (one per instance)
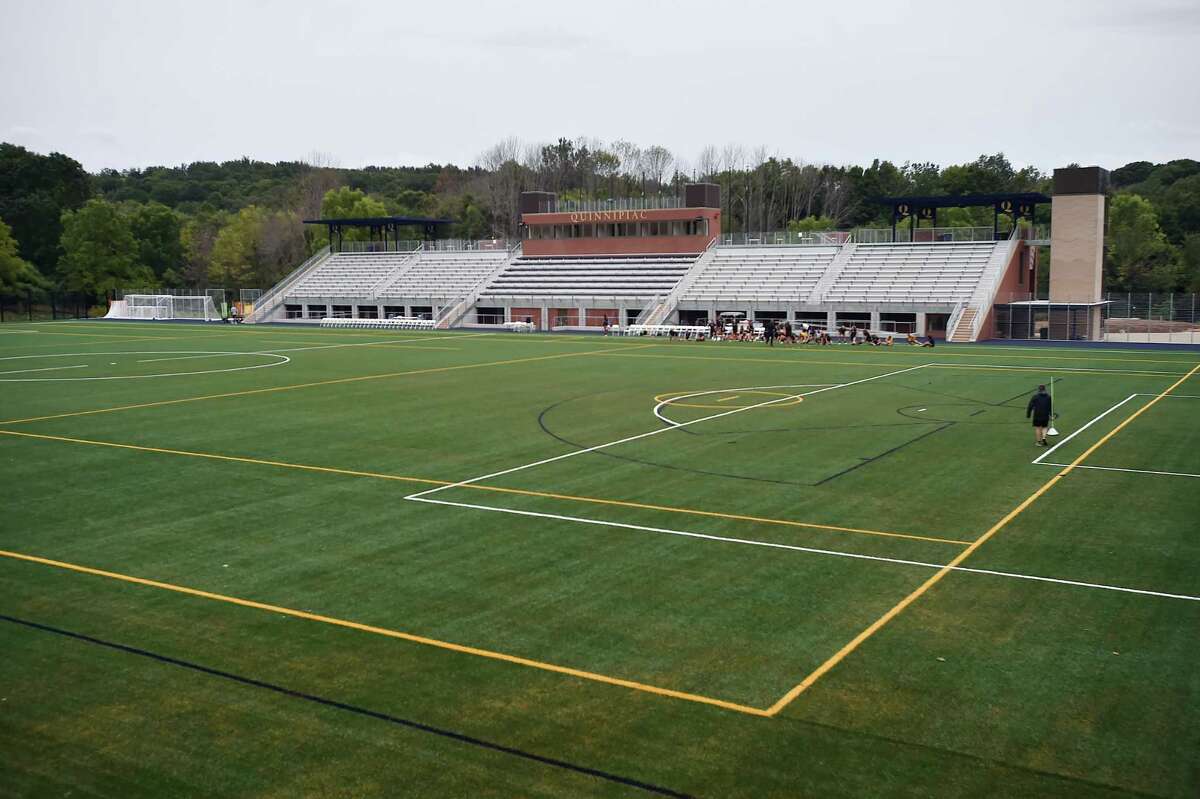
(165, 306)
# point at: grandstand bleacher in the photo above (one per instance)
(943, 272)
(443, 275)
(349, 274)
(768, 274)
(445, 285)
(615, 276)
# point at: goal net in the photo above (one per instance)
(165, 306)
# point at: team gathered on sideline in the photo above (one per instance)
(771, 332)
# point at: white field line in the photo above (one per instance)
(297, 349)
(658, 430)
(1132, 471)
(46, 369)
(18, 331)
(812, 550)
(281, 360)
(1047, 453)
(1174, 396)
(1045, 369)
(693, 394)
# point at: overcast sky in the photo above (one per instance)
(123, 83)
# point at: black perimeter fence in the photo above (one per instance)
(37, 305)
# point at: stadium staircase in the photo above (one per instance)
(350, 275)
(658, 311)
(451, 314)
(832, 272)
(968, 325)
(266, 306)
(449, 275)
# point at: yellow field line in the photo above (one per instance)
(899, 607)
(384, 631)
(334, 381)
(716, 514)
(478, 487)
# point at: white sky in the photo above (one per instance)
(121, 83)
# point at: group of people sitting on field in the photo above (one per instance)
(772, 331)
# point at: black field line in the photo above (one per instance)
(355, 709)
(884, 454)
(660, 430)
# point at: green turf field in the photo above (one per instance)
(284, 562)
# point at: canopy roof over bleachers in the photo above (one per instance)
(381, 226)
(914, 208)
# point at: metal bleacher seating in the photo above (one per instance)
(348, 274)
(610, 276)
(443, 274)
(767, 274)
(938, 272)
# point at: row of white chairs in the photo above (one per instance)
(685, 331)
(398, 323)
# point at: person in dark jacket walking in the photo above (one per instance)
(1039, 409)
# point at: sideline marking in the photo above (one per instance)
(899, 607)
(271, 389)
(819, 551)
(494, 489)
(299, 349)
(389, 633)
(46, 369)
(1047, 453)
(1132, 471)
(282, 359)
(1072, 369)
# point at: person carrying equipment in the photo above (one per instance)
(1039, 409)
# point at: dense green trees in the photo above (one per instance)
(99, 252)
(239, 223)
(34, 192)
(16, 274)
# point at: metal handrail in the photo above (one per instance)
(265, 299)
(400, 267)
(559, 206)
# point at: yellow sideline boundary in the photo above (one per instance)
(479, 487)
(389, 633)
(916, 594)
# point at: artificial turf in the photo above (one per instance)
(688, 579)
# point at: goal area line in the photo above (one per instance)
(1041, 460)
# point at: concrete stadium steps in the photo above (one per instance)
(628, 276)
(348, 274)
(448, 275)
(941, 272)
(769, 274)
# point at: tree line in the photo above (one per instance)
(240, 223)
